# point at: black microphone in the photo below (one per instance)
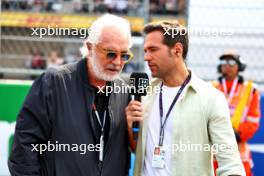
(138, 87)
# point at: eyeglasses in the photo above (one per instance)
(125, 56)
(230, 62)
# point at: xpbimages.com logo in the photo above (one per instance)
(58, 147)
(201, 32)
(123, 88)
(59, 31)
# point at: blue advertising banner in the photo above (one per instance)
(257, 145)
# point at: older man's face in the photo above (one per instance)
(108, 55)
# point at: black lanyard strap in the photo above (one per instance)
(102, 125)
(162, 125)
(101, 152)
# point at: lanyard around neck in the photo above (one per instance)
(98, 118)
(232, 91)
(101, 152)
(162, 125)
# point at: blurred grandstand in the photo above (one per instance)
(25, 56)
(126, 7)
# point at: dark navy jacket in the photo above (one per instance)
(58, 109)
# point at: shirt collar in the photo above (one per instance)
(194, 82)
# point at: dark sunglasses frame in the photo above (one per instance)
(125, 56)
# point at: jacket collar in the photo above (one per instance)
(83, 73)
(194, 83)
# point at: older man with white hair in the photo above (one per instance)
(66, 125)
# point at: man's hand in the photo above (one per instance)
(134, 112)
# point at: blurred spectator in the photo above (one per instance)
(37, 61)
(181, 6)
(54, 60)
(153, 6)
(77, 5)
(167, 7)
(30, 4)
(170, 6)
(5, 4)
(38, 6)
(121, 6)
(134, 7)
(87, 5)
(161, 7)
(110, 5)
(99, 6)
(48, 5)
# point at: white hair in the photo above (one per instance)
(84, 51)
(109, 20)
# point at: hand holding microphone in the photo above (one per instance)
(134, 111)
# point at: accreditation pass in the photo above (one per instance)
(158, 159)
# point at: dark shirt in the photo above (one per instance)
(101, 103)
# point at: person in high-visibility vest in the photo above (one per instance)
(244, 103)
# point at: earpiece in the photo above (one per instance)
(240, 62)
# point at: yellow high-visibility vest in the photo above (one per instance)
(236, 118)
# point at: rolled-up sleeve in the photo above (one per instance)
(223, 138)
(33, 127)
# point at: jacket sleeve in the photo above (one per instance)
(33, 126)
(223, 139)
(249, 127)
